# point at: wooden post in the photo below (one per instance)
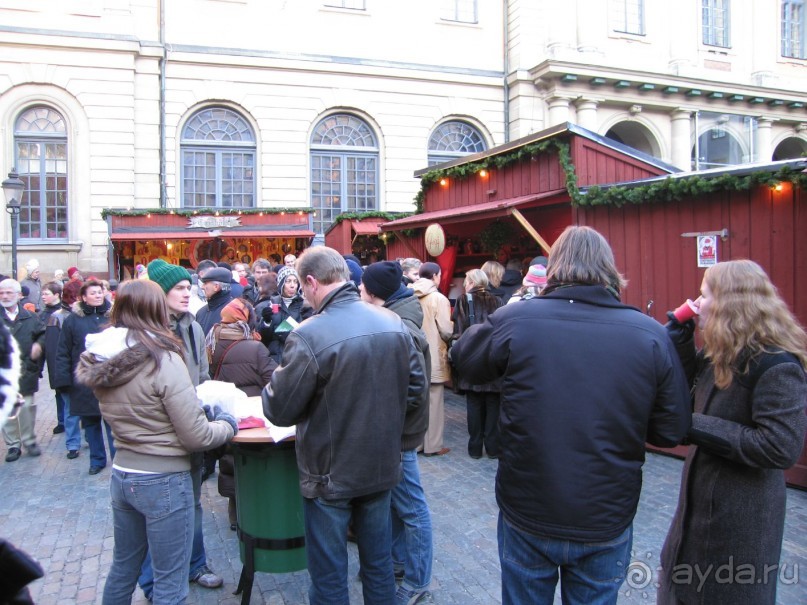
(530, 229)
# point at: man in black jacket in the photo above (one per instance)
(587, 381)
(216, 284)
(412, 545)
(348, 374)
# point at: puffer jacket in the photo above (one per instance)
(153, 411)
(83, 320)
(437, 326)
(406, 306)
(27, 329)
(347, 399)
(586, 381)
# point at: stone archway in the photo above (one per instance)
(636, 135)
(790, 148)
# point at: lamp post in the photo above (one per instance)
(12, 189)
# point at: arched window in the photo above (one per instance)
(218, 160)
(344, 168)
(452, 140)
(40, 146)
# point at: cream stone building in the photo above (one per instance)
(334, 104)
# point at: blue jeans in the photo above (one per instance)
(590, 572)
(198, 555)
(411, 526)
(153, 512)
(326, 524)
(95, 438)
(72, 428)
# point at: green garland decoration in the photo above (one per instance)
(195, 211)
(530, 151)
(495, 235)
(673, 189)
(356, 216)
(666, 190)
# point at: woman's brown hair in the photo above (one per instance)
(140, 306)
(747, 318)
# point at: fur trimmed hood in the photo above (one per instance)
(81, 309)
(120, 369)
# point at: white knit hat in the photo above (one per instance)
(32, 265)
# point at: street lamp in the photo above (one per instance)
(12, 189)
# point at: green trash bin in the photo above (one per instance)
(271, 529)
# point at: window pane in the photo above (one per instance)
(715, 21)
(40, 120)
(793, 29)
(463, 11)
(628, 16)
(43, 208)
(343, 129)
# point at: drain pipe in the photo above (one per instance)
(506, 62)
(163, 196)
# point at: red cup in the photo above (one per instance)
(275, 307)
(686, 311)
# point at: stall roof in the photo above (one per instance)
(139, 233)
(738, 170)
(367, 226)
(472, 212)
(554, 131)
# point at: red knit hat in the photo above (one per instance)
(72, 271)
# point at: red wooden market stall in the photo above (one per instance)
(186, 236)
(359, 234)
(664, 228)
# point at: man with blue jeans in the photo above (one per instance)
(586, 381)
(175, 281)
(412, 547)
(348, 374)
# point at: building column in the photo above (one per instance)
(587, 114)
(763, 144)
(558, 111)
(680, 139)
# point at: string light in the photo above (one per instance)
(483, 173)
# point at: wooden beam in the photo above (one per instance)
(530, 229)
(406, 243)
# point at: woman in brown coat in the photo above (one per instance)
(237, 356)
(749, 398)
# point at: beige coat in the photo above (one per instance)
(437, 326)
(155, 416)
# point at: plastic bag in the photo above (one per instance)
(218, 393)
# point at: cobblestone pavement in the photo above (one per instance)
(58, 513)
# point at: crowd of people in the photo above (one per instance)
(564, 396)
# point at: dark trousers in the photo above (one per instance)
(483, 423)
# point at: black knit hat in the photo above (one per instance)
(382, 279)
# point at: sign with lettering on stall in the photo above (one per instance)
(435, 239)
(707, 250)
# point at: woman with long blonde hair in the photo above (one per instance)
(748, 426)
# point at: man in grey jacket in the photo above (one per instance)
(347, 376)
(175, 281)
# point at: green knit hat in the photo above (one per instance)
(166, 275)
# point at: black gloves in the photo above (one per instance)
(679, 333)
(266, 313)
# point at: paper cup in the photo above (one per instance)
(686, 311)
(275, 307)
